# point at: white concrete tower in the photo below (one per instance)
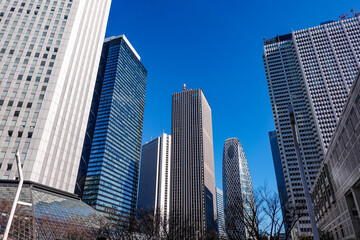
(313, 69)
(49, 56)
(154, 183)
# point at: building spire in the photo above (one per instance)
(184, 87)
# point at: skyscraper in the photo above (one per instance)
(49, 53)
(154, 183)
(280, 179)
(238, 191)
(220, 213)
(192, 199)
(312, 69)
(111, 154)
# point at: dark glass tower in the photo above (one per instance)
(280, 178)
(108, 174)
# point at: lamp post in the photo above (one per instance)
(16, 200)
(302, 174)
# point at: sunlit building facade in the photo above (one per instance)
(313, 70)
(238, 191)
(49, 55)
(154, 181)
(111, 153)
(193, 196)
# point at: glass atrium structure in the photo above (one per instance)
(54, 214)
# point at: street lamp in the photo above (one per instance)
(302, 174)
(16, 200)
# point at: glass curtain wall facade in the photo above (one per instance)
(220, 213)
(280, 179)
(112, 166)
(238, 191)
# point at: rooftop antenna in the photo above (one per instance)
(343, 17)
(184, 87)
(353, 12)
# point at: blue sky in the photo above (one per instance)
(216, 46)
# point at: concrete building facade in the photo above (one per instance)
(336, 192)
(154, 181)
(313, 70)
(49, 54)
(193, 196)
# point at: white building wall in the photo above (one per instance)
(313, 70)
(61, 103)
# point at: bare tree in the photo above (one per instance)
(274, 209)
(261, 217)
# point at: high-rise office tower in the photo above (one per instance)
(154, 183)
(312, 69)
(49, 53)
(220, 213)
(279, 173)
(108, 174)
(192, 198)
(238, 191)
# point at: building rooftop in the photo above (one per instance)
(127, 42)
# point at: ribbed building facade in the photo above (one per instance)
(193, 196)
(154, 181)
(313, 70)
(238, 191)
(108, 175)
(49, 55)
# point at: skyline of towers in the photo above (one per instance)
(115, 132)
(193, 196)
(237, 189)
(49, 55)
(154, 181)
(313, 70)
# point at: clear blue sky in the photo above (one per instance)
(216, 46)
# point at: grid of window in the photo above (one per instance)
(112, 174)
(237, 187)
(192, 186)
(51, 216)
(44, 93)
(312, 69)
(337, 187)
(330, 58)
(30, 36)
